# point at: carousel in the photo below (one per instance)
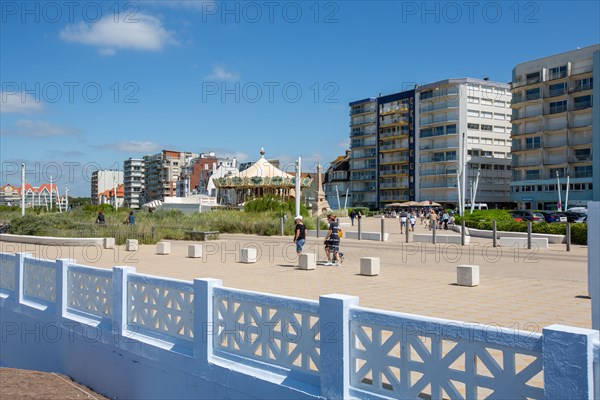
(259, 180)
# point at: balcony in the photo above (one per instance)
(394, 197)
(393, 121)
(390, 110)
(434, 106)
(425, 159)
(362, 122)
(396, 146)
(526, 82)
(394, 185)
(393, 172)
(363, 109)
(526, 147)
(429, 147)
(580, 158)
(438, 120)
(390, 160)
(553, 145)
(393, 134)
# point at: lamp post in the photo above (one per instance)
(298, 178)
(23, 189)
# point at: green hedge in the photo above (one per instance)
(504, 222)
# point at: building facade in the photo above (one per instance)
(162, 172)
(463, 124)
(133, 182)
(103, 180)
(336, 182)
(410, 146)
(554, 131)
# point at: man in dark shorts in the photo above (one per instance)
(332, 241)
(299, 235)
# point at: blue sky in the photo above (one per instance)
(86, 85)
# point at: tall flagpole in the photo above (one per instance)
(298, 178)
(23, 189)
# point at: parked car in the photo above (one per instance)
(552, 216)
(526, 215)
(573, 216)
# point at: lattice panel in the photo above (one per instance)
(39, 282)
(266, 333)
(90, 293)
(7, 273)
(164, 310)
(402, 364)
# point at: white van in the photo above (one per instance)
(478, 206)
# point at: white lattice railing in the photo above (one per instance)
(7, 273)
(89, 290)
(276, 330)
(406, 356)
(39, 280)
(160, 306)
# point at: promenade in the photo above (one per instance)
(519, 289)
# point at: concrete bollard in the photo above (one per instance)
(163, 248)
(369, 266)
(382, 228)
(494, 233)
(195, 251)
(529, 230)
(109, 243)
(248, 255)
(131, 245)
(467, 275)
(307, 261)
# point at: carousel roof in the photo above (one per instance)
(261, 173)
(263, 169)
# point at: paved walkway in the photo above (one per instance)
(525, 289)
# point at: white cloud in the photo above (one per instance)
(219, 73)
(39, 129)
(131, 146)
(144, 32)
(19, 103)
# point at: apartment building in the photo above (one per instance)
(363, 157)
(555, 129)
(411, 145)
(103, 180)
(463, 124)
(162, 171)
(134, 182)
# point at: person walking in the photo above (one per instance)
(413, 219)
(299, 235)
(433, 219)
(445, 218)
(333, 239)
(131, 218)
(403, 218)
(352, 216)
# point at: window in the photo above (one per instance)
(499, 103)
(560, 171)
(450, 129)
(534, 77)
(473, 100)
(532, 174)
(472, 113)
(498, 154)
(451, 155)
(584, 171)
(499, 167)
(474, 153)
(584, 84)
(438, 156)
(427, 94)
(486, 114)
(485, 153)
(499, 116)
(558, 107)
(558, 89)
(558, 72)
(582, 102)
(533, 143)
(473, 126)
(499, 142)
(486, 141)
(486, 127)
(472, 139)
(532, 94)
(582, 154)
(499, 129)
(487, 102)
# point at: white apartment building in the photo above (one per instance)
(134, 182)
(555, 129)
(103, 180)
(463, 123)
